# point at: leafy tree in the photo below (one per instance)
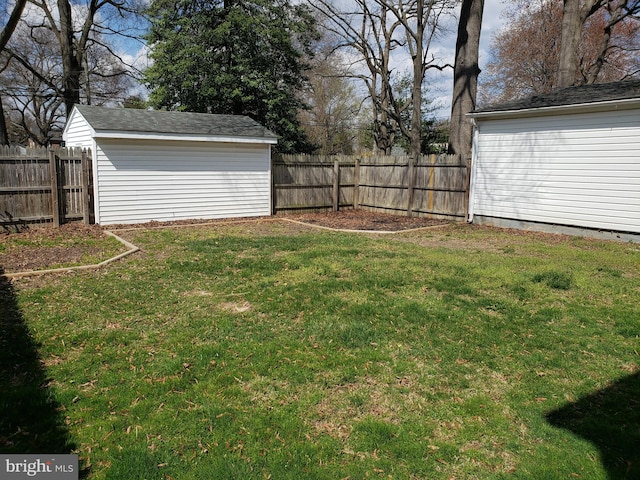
(431, 131)
(135, 102)
(242, 57)
(435, 135)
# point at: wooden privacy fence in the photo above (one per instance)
(435, 185)
(41, 185)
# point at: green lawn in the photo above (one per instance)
(275, 351)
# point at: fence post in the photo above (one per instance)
(411, 180)
(356, 184)
(467, 186)
(55, 192)
(336, 185)
(273, 185)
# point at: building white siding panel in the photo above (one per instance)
(580, 170)
(77, 132)
(141, 181)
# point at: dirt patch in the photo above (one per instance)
(365, 220)
(343, 220)
(236, 307)
(39, 248)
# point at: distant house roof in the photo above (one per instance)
(624, 94)
(128, 122)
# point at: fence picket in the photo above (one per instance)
(435, 185)
(26, 179)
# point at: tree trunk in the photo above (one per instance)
(11, 24)
(71, 68)
(616, 14)
(573, 17)
(4, 135)
(5, 35)
(465, 76)
(416, 94)
(386, 136)
(571, 29)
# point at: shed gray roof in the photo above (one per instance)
(584, 94)
(182, 123)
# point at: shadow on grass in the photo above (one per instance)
(30, 419)
(610, 419)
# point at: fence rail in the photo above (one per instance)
(434, 185)
(40, 185)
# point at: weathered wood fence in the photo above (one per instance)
(435, 185)
(40, 185)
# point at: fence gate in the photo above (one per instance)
(45, 186)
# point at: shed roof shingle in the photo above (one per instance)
(181, 123)
(583, 94)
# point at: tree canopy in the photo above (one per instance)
(526, 55)
(59, 54)
(388, 39)
(243, 57)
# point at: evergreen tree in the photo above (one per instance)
(243, 57)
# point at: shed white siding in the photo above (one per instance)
(140, 181)
(167, 166)
(580, 169)
(77, 132)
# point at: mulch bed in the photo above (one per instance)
(46, 246)
(38, 254)
(365, 220)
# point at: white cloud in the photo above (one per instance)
(136, 55)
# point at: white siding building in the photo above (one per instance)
(570, 158)
(163, 166)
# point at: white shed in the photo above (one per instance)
(155, 165)
(570, 158)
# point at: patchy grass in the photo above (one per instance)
(273, 351)
(555, 279)
(48, 247)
